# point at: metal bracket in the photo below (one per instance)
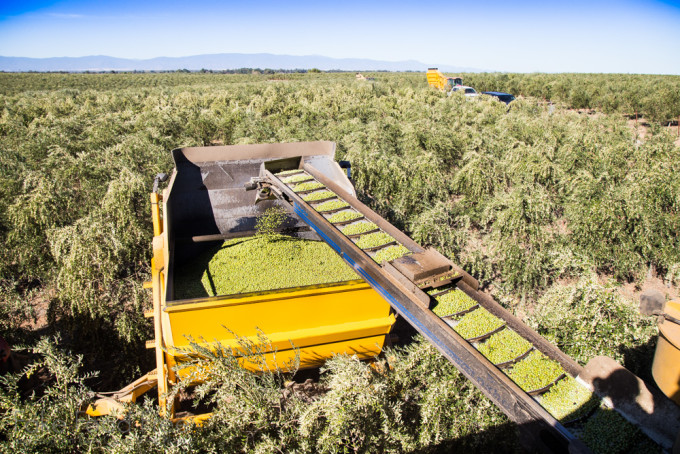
(663, 316)
(160, 178)
(265, 189)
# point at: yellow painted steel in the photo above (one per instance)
(158, 265)
(320, 309)
(312, 356)
(308, 323)
(311, 323)
(436, 79)
(666, 365)
(192, 419)
(318, 322)
(114, 403)
(155, 214)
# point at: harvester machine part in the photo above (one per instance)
(105, 406)
(348, 168)
(265, 191)
(160, 178)
(401, 283)
(114, 402)
(207, 200)
(410, 282)
(666, 363)
(666, 317)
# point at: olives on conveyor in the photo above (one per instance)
(390, 253)
(504, 346)
(477, 323)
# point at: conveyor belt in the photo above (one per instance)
(491, 347)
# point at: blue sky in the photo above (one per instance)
(641, 36)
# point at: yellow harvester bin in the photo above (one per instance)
(316, 321)
(205, 203)
(666, 366)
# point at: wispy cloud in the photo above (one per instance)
(66, 15)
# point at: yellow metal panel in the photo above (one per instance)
(242, 298)
(666, 365)
(312, 356)
(436, 79)
(192, 419)
(277, 313)
(314, 336)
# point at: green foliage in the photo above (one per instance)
(410, 402)
(521, 235)
(14, 311)
(45, 422)
(443, 225)
(461, 175)
(50, 420)
(522, 198)
(587, 318)
(653, 96)
(96, 254)
(413, 400)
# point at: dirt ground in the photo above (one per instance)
(632, 293)
(642, 127)
(40, 303)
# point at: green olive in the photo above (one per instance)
(331, 205)
(452, 302)
(535, 371)
(344, 216)
(297, 178)
(390, 253)
(359, 227)
(372, 240)
(318, 195)
(504, 346)
(477, 323)
(308, 186)
(237, 267)
(568, 400)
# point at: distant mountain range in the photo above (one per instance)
(214, 62)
